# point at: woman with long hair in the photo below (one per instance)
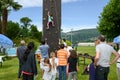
(46, 66)
(54, 64)
(29, 68)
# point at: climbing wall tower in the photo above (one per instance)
(53, 34)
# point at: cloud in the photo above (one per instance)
(66, 1)
(38, 3)
(30, 3)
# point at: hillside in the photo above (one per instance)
(84, 35)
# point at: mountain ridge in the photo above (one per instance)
(83, 35)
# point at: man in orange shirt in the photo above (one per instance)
(62, 56)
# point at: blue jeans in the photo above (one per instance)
(62, 72)
(101, 73)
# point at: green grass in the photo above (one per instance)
(10, 67)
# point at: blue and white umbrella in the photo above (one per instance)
(5, 41)
(116, 40)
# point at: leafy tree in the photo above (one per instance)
(13, 29)
(25, 21)
(109, 21)
(7, 5)
(35, 33)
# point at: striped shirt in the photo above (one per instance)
(62, 56)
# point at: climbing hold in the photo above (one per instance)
(46, 9)
(45, 39)
(52, 7)
(44, 18)
(51, 0)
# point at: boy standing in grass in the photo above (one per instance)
(62, 56)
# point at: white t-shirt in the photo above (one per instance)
(54, 70)
(47, 74)
(68, 49)
(118, 64)
(65, 44)
(105, 51)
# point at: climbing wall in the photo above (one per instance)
(52, 35)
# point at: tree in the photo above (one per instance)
(25, 22)
(7, 5)
(35, 33)
(13, 28)
(109, 21)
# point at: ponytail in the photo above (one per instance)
(26, 54)
(28, 50)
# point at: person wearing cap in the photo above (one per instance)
(102, 58)
(20, 51)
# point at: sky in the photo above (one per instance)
(76, 14)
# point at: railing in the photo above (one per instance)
(84, 56)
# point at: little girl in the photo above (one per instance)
(50, 20)
(54, 64)
(72, 65)
(46, 66)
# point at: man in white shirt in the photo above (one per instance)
(102, 58)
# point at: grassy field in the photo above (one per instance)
(10, 67)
